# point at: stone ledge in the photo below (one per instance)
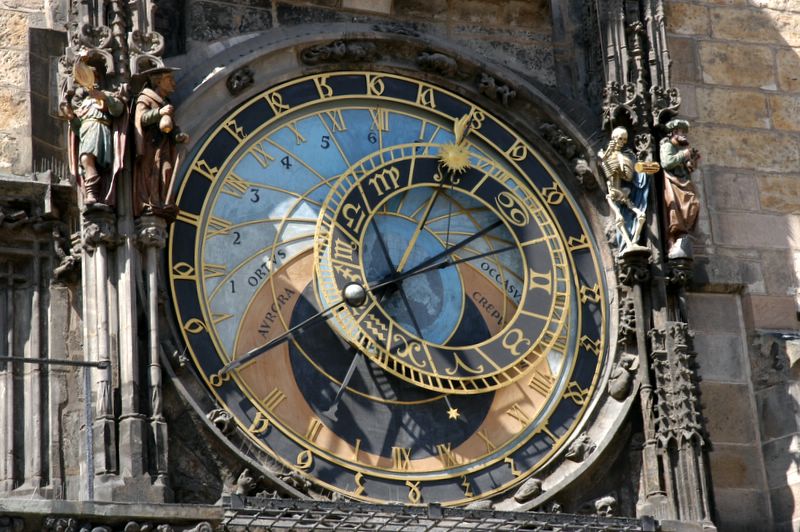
(107, 511)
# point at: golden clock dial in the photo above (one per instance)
(482, 333)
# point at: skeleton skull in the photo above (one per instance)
(620, 135)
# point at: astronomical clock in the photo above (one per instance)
(387, 288)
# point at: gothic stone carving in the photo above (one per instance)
(397, 28)
(439, 63)
(580, 448)
(495, 90)
(240, 80)
(222, 419)
(622, 376)
(529, 490)
(340, 51)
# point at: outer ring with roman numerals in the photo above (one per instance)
(538, 421)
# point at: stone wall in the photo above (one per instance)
(514, 33)
(15, 145)
(736, 64)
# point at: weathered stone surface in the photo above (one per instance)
(721, 273)
(687, 19)
(9, 153)
(210, 21)
(713, 312)
(741, 510)
(785, 26)
(765, 151)
(734, 107)
(777, 411)
(781, 5)
(14, 66)
(729, 412)
(684, 66)
(536, 61)
(736, 466)
(782, 460)
(779, 268)
(785, 112)
(720, 357)
(422, 9)
(770, 312)
(784, 500)
(788, 69)
(743, 65)
(751, 25)
(779, 193)
(532, 15)
(753, 230)
(729, 189)
(373, 6)
(14, 29)
(13, 108)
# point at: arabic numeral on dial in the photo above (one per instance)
(372, 137)
(237, 238)
(255, 198)
(325, 142)
(233, 287)
(286, 162)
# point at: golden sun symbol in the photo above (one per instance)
(454, 157)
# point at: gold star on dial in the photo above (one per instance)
(453, 413)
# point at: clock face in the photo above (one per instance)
(444, 296)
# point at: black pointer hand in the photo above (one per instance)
(426, 266)
(322, 315)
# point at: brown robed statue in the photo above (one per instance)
(679, 160)
(156, 137)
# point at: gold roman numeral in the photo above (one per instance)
(490, 446)
(337, 120)
(260, 155)
(314, 428)
(446, 454)
(401, 458)
(541, 382)
(234, 185)
(273, 399)
(380, 119)
(516, 412)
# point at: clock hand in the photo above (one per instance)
(322, 315)
(392, 279)
(431, 263)
(418, 230)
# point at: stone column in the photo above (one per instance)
(33, 407)
(634, 270)
(7, 453)
(98, 234)
(132, 421)
(152, 237)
